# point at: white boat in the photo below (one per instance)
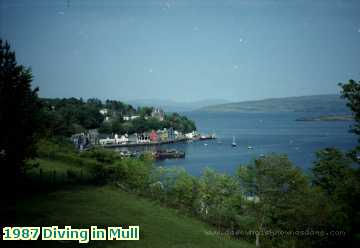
(233, 143)
(250, 147)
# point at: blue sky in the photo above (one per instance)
(185, 50)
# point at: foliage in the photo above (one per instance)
(273, 188)
(19, 112)
(331, 168)
(268, 195)
(64, 117)
(351, 92)
(216, 196)
(339, 182)
(101, 155)
(142, 124)
(145, 111)
(180, 123)
(67, 116)
(119, 108)
(135, 173)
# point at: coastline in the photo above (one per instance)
(157, 143)
(328, 118)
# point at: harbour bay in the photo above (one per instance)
(265, 132)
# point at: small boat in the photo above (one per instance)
(166, 154)
(128, 154)
(233, 143)
(207, 137)
(205, 144)
(250, 147)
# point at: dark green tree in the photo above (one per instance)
(19, 113)
(145, 111)
(339, 181)
(351, 92)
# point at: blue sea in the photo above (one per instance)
(265, 132)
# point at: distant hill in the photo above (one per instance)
(174, 106)
(315, 103)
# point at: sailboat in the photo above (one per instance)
(233, 143)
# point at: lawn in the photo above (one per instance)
(109, 206)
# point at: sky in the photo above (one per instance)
(185, 50)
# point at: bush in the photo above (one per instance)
(136, 173)
(101, 155)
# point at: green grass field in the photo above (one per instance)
(84, 206)
(109, 206)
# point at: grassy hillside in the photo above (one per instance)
(108, 206)
(103, 206)
(316, 103)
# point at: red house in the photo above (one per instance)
(153, 136)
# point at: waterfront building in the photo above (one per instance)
(123, 139)
(171, 134)
(189, 135)
(179, 135)
(93, 136)
(158, 114)
(133, 138)
(143, 138)
(163, 135)
(106, 141)
(153, 136)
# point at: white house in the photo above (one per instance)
(178, 135)
(189, 135)
(128, 118)
(143, 138)
(103, 111)
(106, 141)
(122, 139)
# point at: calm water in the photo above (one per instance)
(266, 133)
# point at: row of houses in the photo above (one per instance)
(164, 135)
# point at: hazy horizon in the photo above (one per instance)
(185, 51)
(226, 100)
(188, 102)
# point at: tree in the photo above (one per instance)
(335, 176)
(215, 198)
(182, 190)
(273, 188)
(145, 111)
(19, 113)
(330, 169)
(351, 92)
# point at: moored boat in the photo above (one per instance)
(233, 143)
(168, 154)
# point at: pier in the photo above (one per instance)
(157, 143)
